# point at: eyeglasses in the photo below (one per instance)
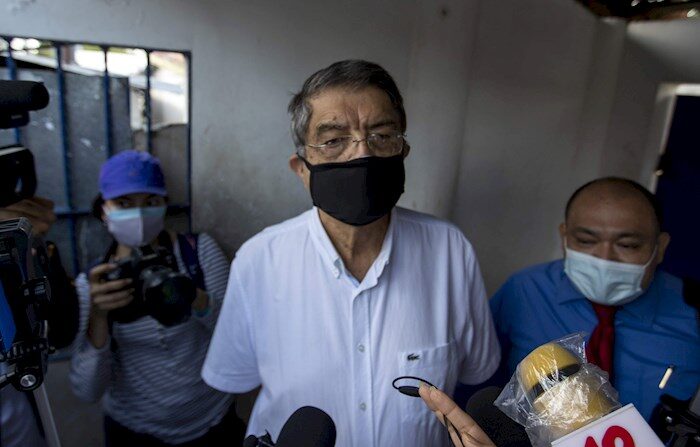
(382, 145)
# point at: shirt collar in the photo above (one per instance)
(643, 307)
(330, 255)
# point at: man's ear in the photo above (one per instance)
(406, 150)
(662, 241)
(297, 165)
(562, 235)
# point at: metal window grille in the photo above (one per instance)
(72, 210)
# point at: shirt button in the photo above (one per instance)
(363, 406)
(361, 348)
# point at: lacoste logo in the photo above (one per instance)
(412, 357)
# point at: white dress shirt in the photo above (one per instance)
(297, 323)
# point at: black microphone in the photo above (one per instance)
(306, 427)
(17, 99)
(22, 96)
(503, 431)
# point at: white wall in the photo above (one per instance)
(543, 74)
(656, 53)
(248, 57)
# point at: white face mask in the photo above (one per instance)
(602, 281)
(135, 227)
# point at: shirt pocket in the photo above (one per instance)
(438, 365)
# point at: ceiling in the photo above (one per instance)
(645, 9)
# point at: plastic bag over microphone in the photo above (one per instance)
(554, 391)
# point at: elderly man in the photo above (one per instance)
(607, 285)
(326, 309)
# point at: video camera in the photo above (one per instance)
(24, 286)
(24, 297)
(17, 174)
(161, 291)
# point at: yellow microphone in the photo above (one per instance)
(565, 393)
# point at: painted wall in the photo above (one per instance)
(656, 53)
(541, 86)
(248, 57)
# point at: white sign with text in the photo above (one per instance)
(622, 428)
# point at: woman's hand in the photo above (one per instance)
(463, 429)
(200, 305)
(105, 296)
(108, 295)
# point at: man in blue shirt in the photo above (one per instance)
(607, 285)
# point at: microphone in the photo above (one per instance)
(564, 392)
(17, 99)
(306, 427)
(563, 401)
(503, 431)
(22, 96)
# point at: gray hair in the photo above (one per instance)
(355, 74)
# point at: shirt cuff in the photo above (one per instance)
(230, 383)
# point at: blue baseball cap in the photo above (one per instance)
(131, 172)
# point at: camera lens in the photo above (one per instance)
(168, 295)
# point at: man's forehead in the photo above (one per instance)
(625, 211)
(343, 103)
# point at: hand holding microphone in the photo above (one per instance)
(463, 429)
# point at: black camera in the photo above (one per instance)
(24, 299)
(160, 290)
(17, 99)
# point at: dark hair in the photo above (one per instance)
(650, 198)
(352, 73)
(96, 209)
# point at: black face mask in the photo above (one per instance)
(359, 191)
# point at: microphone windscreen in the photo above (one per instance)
(503, 431)
(22, 96)
(565, 393)
(307, 427)
(545, 366)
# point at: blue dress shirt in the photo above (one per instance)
(653, 332)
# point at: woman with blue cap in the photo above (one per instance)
(147, 314)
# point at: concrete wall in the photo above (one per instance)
(249, 56)
(656, 53)
(540, 91)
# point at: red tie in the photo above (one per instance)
(599, 349)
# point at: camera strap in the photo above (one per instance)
(188, 251)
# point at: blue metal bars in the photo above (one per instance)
(107, 102)
(188, 60)
(71, 212)
(65, 146)
(147, 100)
(12, 69)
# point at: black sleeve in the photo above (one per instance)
(63, 308)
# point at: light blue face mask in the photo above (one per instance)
(602, 281)
(135, 227)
